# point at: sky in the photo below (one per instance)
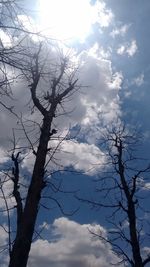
(110, 40)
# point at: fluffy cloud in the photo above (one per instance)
(4, 157)
(132, 48)
(6, 189)
(116, 81)
(145, 186)
(85, 157)
(82, 156)
(103, 84)
(3, 235)
(139, 80)
(120, 31)
(100, 93)
(5, 39)
(128, 48)
(97, 83)
(99, 89)
(104, 15)
(72, 245)
(3, 245)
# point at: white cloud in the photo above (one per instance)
(128, 48)
(146, 252)
(101, 94)
(146, 186)
(63, 24)
(71, 245)
(120, 31)
(3, 245)
(98, 75)
(95, 73)
(100, 90)
(82, 156)
(7, 188)
(127, 94)
(28, 24)
(139, 80)
(116, 81)
(3, 234)
(5, 39)
(3, 156)
(104, 15)
(98, 51)
(121, 50)
(132, 49)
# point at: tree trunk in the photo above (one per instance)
(22, 244)
(133, 235)
(136, 253)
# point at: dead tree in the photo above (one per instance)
(122, 190)
(49, 83)
(12, 48)
(62, 85)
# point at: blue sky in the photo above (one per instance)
(114, 59)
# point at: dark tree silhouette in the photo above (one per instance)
(61, 87)
(12, 47)
(50, 81)
(122, 188)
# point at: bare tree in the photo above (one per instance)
(13, 35)
(61, 86)
(50, 81)
(123, 190)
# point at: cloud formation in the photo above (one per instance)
(120, 31)
(3, 245)
(139, 80)
(72, 245)
(103, 85)
(128, 48)
(104, 15)
(100, 87)
(82, 156)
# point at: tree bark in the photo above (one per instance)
(22, 244)
(133, 235)
(25, 228)
(130, 211)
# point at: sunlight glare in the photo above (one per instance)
(66, 19)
